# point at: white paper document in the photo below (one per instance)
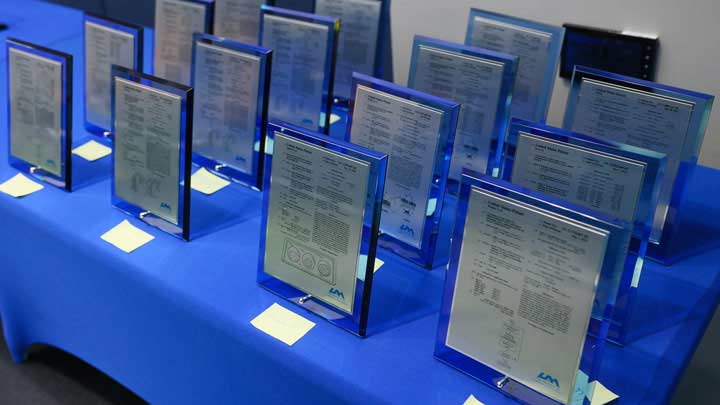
(409, 133)
(20, 186)
(206, 182)
(532, 47)
(175, 23)
(126, 237)
(282, 324)
(315, 220)
(238, 20)
(104, 47)
(298, 69)
(92, 151)
(36, 111)
(524, 291)
(637, 118)
(599, 181)
(475, 84)
(147, 148)
(357, 46)
(226, 105)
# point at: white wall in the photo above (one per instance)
(689, 35)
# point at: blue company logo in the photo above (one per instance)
(338, 293)
(548, 379)
(165, 206)
(407, 229)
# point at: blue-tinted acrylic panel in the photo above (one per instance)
(107, 42)
(304, 50)
(649, 115)
(175, 23)
(526, 276)
(153, 150)
(538, 47)
(417, 131)
(360, 46)
(482, 82)
(321, 214)
(40, 112)
(231, 82)
(617, 180)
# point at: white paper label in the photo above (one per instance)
(524, 291)
(104, 47)
(409, 133)
(599, 181)
(360, 22)
(298, 69)
(36, 110)
(315, 220)
(532, 49)
(238, 20)
(175, 23)
(225, 116)
(475, 84)
(147, 148)
(639, 119)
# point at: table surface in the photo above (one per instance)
(171, 321)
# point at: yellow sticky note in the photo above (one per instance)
(378, 264)
(282, 324)
(334, 118)
(600, 395)
(126, 237)
(207, 183)
(92, 151)
(471, 400)
(20, 186)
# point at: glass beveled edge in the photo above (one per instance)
(253, 180)
(655, 162)
(357, 322)
(424, 256)
(182, 229)
(333, 25)
(138, 34)
(590, 355)
(66, 61)
(557, 36)
(502, 113)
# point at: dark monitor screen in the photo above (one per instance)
(606, 50)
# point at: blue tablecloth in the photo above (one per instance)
(171, 321)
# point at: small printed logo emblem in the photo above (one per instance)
(548, 379)
(337, 293)
(165, 206)
(407, 230)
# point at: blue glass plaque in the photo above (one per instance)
(153, 150)
(359, 46)
(107, 42)
(617, 180)
(649, 115)
(417, 131)
(175, 23)
(238, 20)
(482, 82)
(40, 112)
(538, 48)
(526, 275)
(321, 215)
(231, 82)
(304, 49)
